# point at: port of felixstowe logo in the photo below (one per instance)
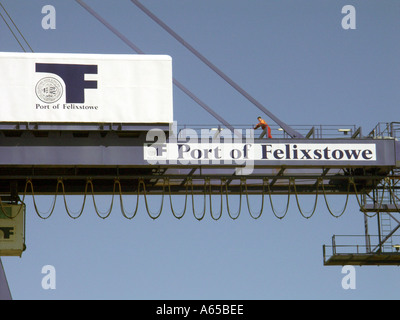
(49, 90)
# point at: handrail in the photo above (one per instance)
(340, 246)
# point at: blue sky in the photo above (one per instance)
(295, 58)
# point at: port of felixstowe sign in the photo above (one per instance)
(95, 88)
(241, 149)
(237, 153)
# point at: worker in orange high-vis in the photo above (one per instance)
(266, 129)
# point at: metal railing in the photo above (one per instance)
(359, 244)
(386, 130)
(246, 130)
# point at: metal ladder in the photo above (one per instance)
(386, 228)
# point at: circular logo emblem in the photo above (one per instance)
(49, 90)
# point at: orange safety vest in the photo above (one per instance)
(264, 125)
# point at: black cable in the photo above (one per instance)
(15, 28)
(293, 133)
(139, 51)
(12, 32)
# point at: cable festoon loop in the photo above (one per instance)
(327, 204)
(351, 180)
(51, 209)
(3, 209)
(393, 195)
(154, 216)
(262, 199)
(74, 215)
(179, 216)
(204, 203)
(101, 214)
(221, 207)
(298, 203)
(122, 202)
(385, 181)
(279, 216)
(227, 200)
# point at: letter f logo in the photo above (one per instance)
(74, 78)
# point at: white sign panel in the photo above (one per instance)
(38, 87)
(227, 153)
